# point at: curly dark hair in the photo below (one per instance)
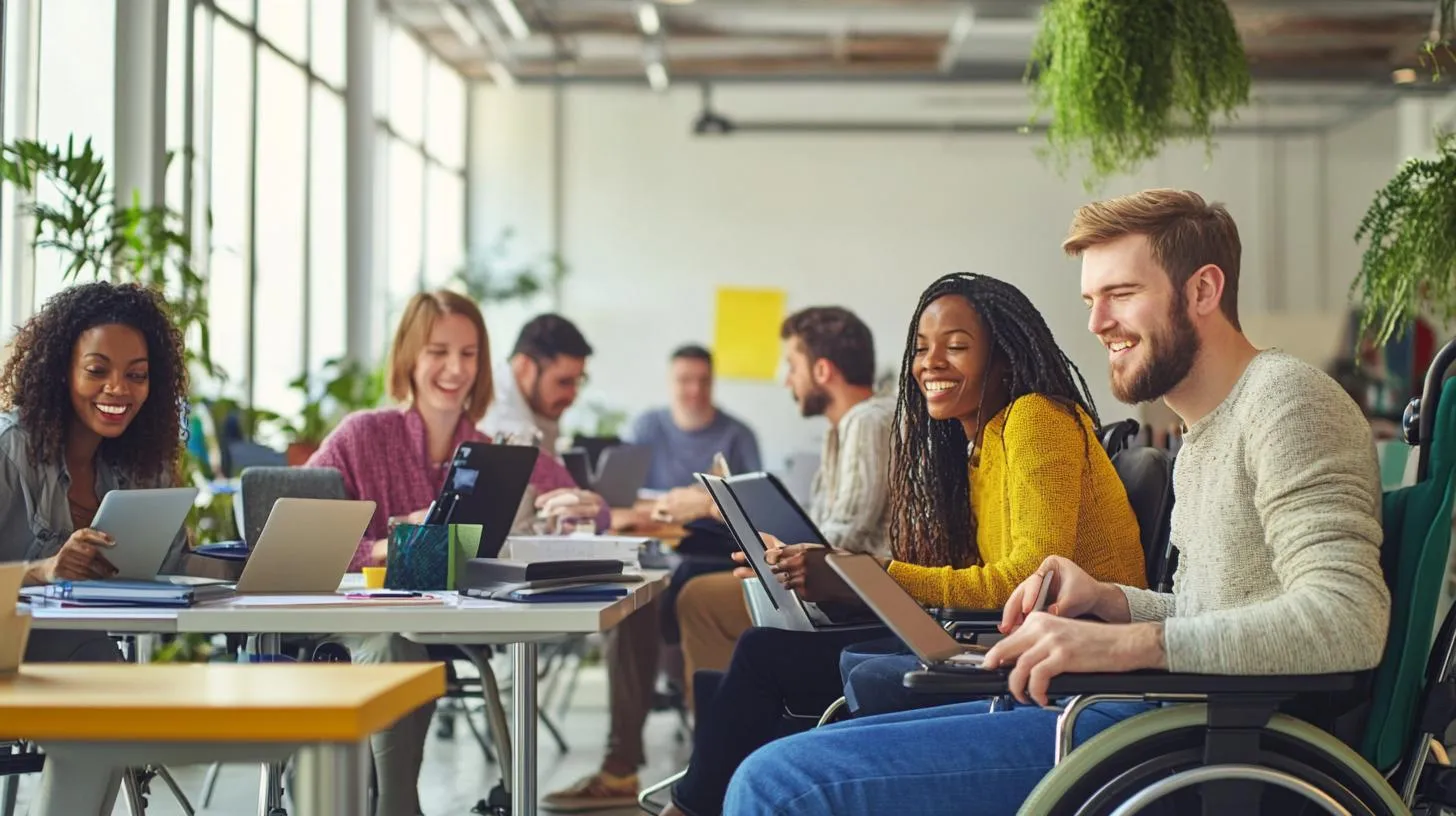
(36, 381)
(930, 504)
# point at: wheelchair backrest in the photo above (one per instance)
(1147, 475)
(1417, 523)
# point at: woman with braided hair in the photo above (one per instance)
(994, 466)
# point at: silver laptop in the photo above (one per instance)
(305, 546)
(144, 523)
(935, 647)
(621, 473)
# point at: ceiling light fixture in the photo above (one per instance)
(648, 18)
(461, 26)
(960, 29)
(511, 16)
(502, 75)
(657, 76)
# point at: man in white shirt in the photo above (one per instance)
(538, 382)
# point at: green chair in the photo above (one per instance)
(1229, 741)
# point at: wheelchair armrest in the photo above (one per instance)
(993, 683)
(969, 623)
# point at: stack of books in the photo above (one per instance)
(124, 594)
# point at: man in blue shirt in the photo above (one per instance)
(685, 435)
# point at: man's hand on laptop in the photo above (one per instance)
(683, 504)
(1047, 645)
(568, 504)
(1074, 594)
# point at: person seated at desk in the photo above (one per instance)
(831, 359)
(1277, 526)
(685, 435)
(538, 382)
(995, 466)
(93, 397)
(398, 457)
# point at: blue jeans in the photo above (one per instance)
(957, 760)
(874, 679)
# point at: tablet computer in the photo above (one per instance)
(144, 523)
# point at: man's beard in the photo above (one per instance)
(1171, 355)
(814, 403)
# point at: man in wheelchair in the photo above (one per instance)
(1276, 522)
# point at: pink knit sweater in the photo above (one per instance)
(385, 458)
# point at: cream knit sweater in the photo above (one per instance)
(1277, 524)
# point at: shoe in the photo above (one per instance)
(600, 791)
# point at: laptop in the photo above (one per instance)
(935, 647)
(305, 547)
(787, 523)
(484, 486)
(144, 524)
(621, 472)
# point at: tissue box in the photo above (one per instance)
(531, 549)
(14, 633)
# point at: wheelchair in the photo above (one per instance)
(1357, 743)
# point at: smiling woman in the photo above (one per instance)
(93, 399)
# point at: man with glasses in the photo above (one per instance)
(540, 380)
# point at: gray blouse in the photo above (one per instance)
(35, 514)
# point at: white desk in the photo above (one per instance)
(458, 620)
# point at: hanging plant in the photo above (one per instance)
(1121, 77)
(1410, 262)
(1443, 32)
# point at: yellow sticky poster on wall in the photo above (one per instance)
(746, 333)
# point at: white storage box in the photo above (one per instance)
(531, 549)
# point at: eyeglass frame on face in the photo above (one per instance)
(541, 364)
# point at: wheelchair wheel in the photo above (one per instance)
(1114, 771)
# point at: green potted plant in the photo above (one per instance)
(1409, 265)
(1443, 32)
(342, 386)
(1120, 78)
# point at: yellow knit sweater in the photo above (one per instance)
(1042, 488)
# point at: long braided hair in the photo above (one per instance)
(930, 505)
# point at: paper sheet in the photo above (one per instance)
(746, 333)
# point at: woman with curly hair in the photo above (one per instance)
(93, 397)
(994, 465)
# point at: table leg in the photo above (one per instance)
(270, 789)
(523, 770)
(332, 779)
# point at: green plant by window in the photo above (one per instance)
(341, 386)
(1120, 78)
(99, 236)
(1410, 258)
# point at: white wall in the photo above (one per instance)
(653, 220)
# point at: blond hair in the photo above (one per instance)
(420, 316)
(1185, 232)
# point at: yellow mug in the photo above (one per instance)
(374, 577)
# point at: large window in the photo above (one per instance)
(422, 150)
(77, 61)
(254, 94)
(270, 139)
